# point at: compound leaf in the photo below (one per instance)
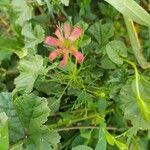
(29, 69)
(115, 51)
(101, 32)
(13, 45)
(33, 111)
(131, 107)
(45, 140)
(24, 12)
(32, 36)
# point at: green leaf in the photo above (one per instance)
(84, 98)
(139, 116)
(121, 145)
(82, 147)
(131, 10)
(101, 32)
(82, 24)
(4, 140)
(86, 135)
(13, 45)
(32, 36)
(53, 104)
(115, 50)
(108, 10)
(111, 140)
(29, 68)
(48, 87)
(17, 146)
(102, 144)
(78, 140)
(16, 131)
(33, 111)
(24, 11)
(135, 43)
(4, 3)
(4, 54)
(47, 140)
(106, 63)
(65, 2)
(84, 41)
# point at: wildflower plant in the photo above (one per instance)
(66, 43)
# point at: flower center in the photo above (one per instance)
(67, 43)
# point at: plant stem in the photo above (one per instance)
(4, 22)
(75, 70)
(69, 122)
(83, 127)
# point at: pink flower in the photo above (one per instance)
(65, 44)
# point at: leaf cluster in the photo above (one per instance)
(103, 103)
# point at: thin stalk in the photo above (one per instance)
(64, 123)
(135, 43)
(83, 127)
(75, 70)
(4, 22)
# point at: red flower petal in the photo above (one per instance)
(76, 33)
(51, 41)
(58, 34)
(64, 61)
(54, 54)
(67, 30)
(79, 56)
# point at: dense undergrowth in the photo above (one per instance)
(97, 98)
